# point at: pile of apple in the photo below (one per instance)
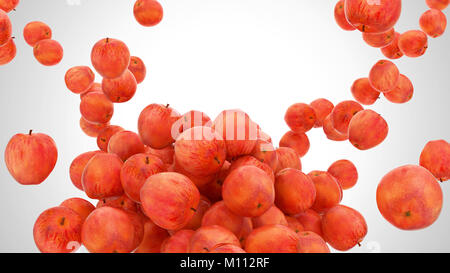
(190, 184)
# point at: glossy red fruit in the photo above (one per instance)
(384, 76)
(226, 248)
(112, 230)
(331, 132)
(433, 22)
(105, 135)
(200, 151)
(409, 197)
(437, 4)
(367, 129)
(101, 176)
(169, 199)
(435, 157)
(30, 158)
(178, 242)
(288, 158)
(79, 79)
(298, 142)
(300, 117)
(125, 144)
(137, 67)
(363, 92)
(248, 191)
(328, 191)
(5, 28)
(339, 16)
(220, 215)
(120, 89)
(110, 58)
(35, 32)
(135, 172)
(58, 230)
(265, 153)
(272, 239)
(8, 5)
(148, 12)
(119, 202)
(310, 242)
(82, 207)
(8, 52)
(373, 16)
(96, 107)
(392, 51)
(77, 167)
(294, 191)
(239, 132)
(345, 173)
(403, 92)
(413, 43)
(273, 216)
(311, 221)
(92, 129)
(343, 227)
(343, 113)
(196, 220)
(323, 108)
(161, 136)
(248, 160)
(379, 40)
(154, 236)
(48, 52)
(207, 237)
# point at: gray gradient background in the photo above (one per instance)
(257, 55)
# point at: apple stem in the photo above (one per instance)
(29, 132)
(107, 40)
(167, 105)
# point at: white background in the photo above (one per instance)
(210, 55)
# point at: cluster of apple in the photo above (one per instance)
(47, 52)
(7, 46)
(409, 197)
(376, 21)
(37, 34)
(187, 183)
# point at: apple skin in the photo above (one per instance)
(160, 136)
(178, 242)
(343, 227)
(101, 176)
(435, 157)
(58, 230)
(79, 79)
(36, 31)
(110, 58)
(373, 16)
(77, 167)
(207, 237)
(135, 172)
(169, 199)
(48, 52)
(30, 158)
(8, 52)
(137, 67)
(409, 197)
(82, 207)
(148, 12)
(200, 151)
(309, 242)
(6, 28)
(112, 230)
(272, 239)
